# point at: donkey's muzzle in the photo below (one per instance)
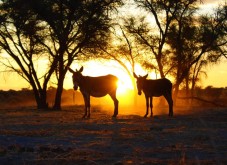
(75, 87)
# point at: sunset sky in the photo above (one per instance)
(216, 73)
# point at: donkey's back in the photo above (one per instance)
(103, 84)
(157, 87)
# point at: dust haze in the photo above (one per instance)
(194, 135)
(130, 103)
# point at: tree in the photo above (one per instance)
(196, 71)
(176, 39)
(19, 30)
(75, 27)
(70, 28)
(181, 37)
(122, 50)
(195, 42)
(151, 32)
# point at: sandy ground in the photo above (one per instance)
(29, 136)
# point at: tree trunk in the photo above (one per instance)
(40, 98)
(192, 89)
(135, 93)
(160, 67)
(42, 104)
(187, 87)
(62, 73)
(175, 94)
(57, 103)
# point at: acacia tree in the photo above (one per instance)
(75, 27)
(70, 28)
(217, 24)
(195, 75)
(195, 40)
(181, 37)
(19, 29)
(152, 36)
(177, 40)
(122, 49)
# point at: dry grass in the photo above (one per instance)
(192, 136)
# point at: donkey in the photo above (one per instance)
(96, 87)
(155, 88)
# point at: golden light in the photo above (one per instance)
(97, 68)
(124, 84)
(142, 72)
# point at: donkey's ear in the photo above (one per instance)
(145, 76)
(70, 69)
(81, 69)
(135, 75)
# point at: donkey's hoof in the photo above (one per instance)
(114, 116)
(170, 114)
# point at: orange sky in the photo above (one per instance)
(216, 73)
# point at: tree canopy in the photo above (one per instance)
(170, 37)
(57, 31)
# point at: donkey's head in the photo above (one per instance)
(76, 77)
(140, 82)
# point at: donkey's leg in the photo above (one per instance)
(151, 106)
(147, 105)
(169, 99)
(114, 98)
(88, 106)
(85, 104)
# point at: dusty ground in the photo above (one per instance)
(28, 136)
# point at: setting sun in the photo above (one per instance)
(113, 82)
(124, 84)
(96, 68)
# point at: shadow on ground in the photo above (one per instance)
(29, 136)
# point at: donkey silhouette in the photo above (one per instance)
(96, 87)
(155, 88)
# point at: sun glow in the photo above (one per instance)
(97, 68)
(124, 84)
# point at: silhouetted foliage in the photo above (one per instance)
(56, 31)
(170, 38)
(20, 32)
(195, 42)
(176, 38)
